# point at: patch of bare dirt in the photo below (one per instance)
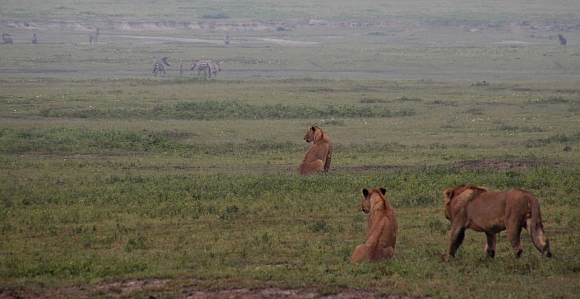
(497, 165)
(151, 287)
(463, 165)
(281, 293)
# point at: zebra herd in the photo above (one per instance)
(205, 66)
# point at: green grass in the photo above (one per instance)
(112, 178)
(216, 204)
(264, 230)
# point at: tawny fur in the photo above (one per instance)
(381, 228)
(318, 156)
(476, 208)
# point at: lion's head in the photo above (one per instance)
(366, 199)
(314, 133)
(461, 190)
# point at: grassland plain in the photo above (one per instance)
(119, 184)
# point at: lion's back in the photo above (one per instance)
(318, 156)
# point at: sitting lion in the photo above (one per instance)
(318, 156)
(492, 212)
(381, 228)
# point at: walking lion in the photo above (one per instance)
(473, 207)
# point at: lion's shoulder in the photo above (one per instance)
(472, 189)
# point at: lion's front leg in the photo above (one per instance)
(457, 236)
(491, 243)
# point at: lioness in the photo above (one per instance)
(492, 212)
(318, 156)
(381, 228)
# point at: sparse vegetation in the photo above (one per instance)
(119, 184)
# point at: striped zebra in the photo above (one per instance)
(202, 65)
(34, 40)
(93, 36)
(214, 67)
(7, 40)
(159, 66)
(562, 39)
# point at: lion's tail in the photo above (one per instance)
(535, 226)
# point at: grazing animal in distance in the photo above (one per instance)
(34, 40)
(202, 65)
(93, 36)
(318, 156)
(214, 67)
(381, 234)
(7, 39)
(562, 39)
(181, 69)
(473, 207)
(159, 66)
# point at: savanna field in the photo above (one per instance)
(119, 184)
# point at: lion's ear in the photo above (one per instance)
(383, 190)
(448, 195)
(365, 192)
(313, 129)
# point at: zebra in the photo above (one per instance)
(202, 65)
(214, 67)
(158, 66)
(562, 39)
(93, 36)
(7, 40)
(34, 40)
(181, 69)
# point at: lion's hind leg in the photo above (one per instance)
(514, 237)
(388, 252)
(361, 253)
(538, 237)
(311, 167)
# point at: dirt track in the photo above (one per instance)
(123, 288)
(269, 25)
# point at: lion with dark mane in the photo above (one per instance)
(318, 156)
(476, 208)
(381, 228)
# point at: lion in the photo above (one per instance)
(318, 156)
(476, 208)
(381, 228)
